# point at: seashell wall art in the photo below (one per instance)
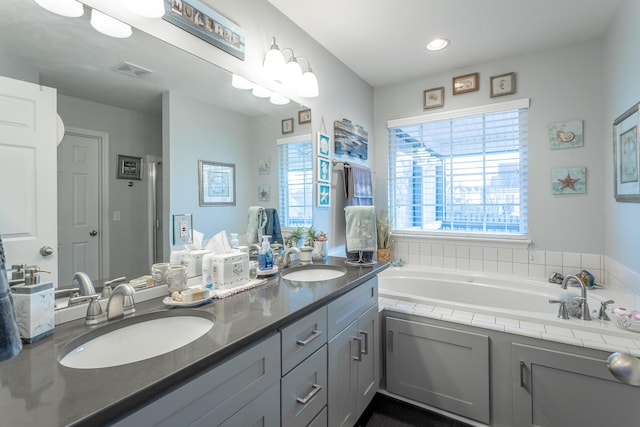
(565, 134)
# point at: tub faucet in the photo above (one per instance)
(121, 301)
(286, 257)
(584, 307)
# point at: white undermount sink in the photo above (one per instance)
(135, 339)
(314, 273)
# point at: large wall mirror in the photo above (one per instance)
(142, 98)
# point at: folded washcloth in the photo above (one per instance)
(272, 228)
(361, 228)
(10, 343)
(256, 220)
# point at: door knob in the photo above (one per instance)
(93, 233)
(46, 250)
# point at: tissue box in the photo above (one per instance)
(230, 268)
(34, 311)
(193, 261)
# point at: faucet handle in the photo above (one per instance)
(602, 314)
(562, 309)
(94, 312)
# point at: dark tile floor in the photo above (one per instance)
(385, 411)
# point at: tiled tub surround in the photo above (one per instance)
(504, 303)
(513, 258)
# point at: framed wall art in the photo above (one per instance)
(264, 193)
(129, 167)
(287, 125)
(433, 98)
(466, 83)
(569, 180)
(350, 139)
(565, 134)
(324, 170)
(625, 156)
(504, 84)
(217, 183)
(304, 116)
(324, 142)
(323, 195)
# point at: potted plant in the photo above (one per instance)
(383, 226)
(293, 240)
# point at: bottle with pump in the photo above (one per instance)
(265, 256)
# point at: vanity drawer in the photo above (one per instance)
(304, 390)
(302, 338)
(347, 308)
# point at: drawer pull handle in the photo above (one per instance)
(358, 357)
(366, 342)
(316, 333)
(523, 367)
(303, 401)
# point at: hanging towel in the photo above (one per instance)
(358, 186)
(256, 220)
(10, 344)
(273, 226)
(361, 228)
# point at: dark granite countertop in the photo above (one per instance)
(36, 390)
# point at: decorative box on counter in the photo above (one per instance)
(193, 261)
(34, 310)
(228, 269)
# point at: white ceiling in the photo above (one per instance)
(383, 41)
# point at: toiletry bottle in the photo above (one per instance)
(233, 241)
(265, 256)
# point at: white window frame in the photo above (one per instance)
(446, 235)
(283, 186)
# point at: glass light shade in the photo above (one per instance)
(109, 26)
(278, 99)
(292, 75)
(309, 85)
(146, 8)
(68, 8)
(240, 82)
(261, 92)
(274, 63)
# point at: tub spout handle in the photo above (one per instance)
(563, 313)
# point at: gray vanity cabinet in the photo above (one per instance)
(442, 367)
(353, 350)
(557, 388)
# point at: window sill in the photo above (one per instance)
(466, 239)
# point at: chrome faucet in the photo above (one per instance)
(84, 284)
(584, 307)
(121, 301)
(286, 257)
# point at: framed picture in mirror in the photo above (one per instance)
(464, 84)
(626, 159)
(287, 125)
(217, 183)
(129, 167)
(304, 116)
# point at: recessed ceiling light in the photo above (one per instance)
(437, 44)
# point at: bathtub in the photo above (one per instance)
(495, 295)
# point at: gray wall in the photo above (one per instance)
(622, 90)
(130, 133)
(563, 84)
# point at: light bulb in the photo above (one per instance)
(261, 92)
(273, 62)
(109, 26)
(68, 8)
(240, 82)
(278, 99)
(309, 85)
(292, 74)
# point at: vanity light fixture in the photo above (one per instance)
(274, 62)
(68, 8)
(240, 82)
(261, 92)
(437, 44)
(308, 87)
(109, 26)
(146, 8)
(292, 74)
(278, 99)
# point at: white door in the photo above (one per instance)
(79, 230)
(28, 194)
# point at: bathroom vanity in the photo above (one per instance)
(306, 351)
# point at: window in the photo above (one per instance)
(295, 180)
(462, 171)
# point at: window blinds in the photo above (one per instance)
(466, 172)
(295, 172)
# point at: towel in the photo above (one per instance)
(358, 185)
(361, 228)
(273, 226)
(256, 220)
(10, 344)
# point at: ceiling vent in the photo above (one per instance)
(131, 70)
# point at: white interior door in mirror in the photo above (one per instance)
(28, 213)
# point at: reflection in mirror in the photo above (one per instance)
(114, 97)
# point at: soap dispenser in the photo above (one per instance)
(265, 255)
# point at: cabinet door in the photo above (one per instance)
(368, 369)
(263, 411)
(344, 310)
(554, 388)
(343, 378)
(443, 367)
